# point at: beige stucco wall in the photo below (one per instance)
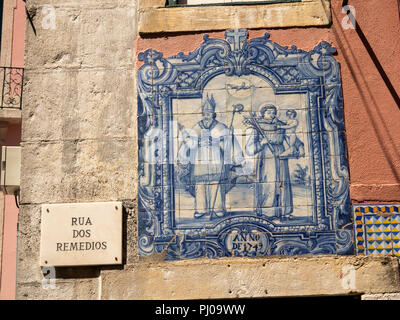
(79, 145)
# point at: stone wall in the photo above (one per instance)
(79, 144)
(79, 127)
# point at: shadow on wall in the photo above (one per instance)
(381, 131)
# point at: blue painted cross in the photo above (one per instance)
(237, 37)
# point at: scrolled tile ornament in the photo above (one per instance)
(242, 151)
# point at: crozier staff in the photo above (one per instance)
(210, 150)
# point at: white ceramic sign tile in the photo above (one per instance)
(78, 234)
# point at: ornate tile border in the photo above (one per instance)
(377, 229)
(287, 203)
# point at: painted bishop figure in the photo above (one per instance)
(211, 150)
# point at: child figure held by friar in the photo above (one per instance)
(295, 145)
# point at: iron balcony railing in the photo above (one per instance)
(12, 87)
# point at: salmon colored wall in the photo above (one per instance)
(13, 135)
(12, 138)
(10, 221)
(18, 42)
(9, 254)
(372, 116)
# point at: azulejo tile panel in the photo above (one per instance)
(377, 229)
(242, 151)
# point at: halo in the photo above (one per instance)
(265, 106)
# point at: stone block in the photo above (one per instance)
(77, 289)
(85, 3)
(253, 278)
(79, 171)
(85, 106)
(28, 246)
(130, 232)
(384, 296)
(82, 36)
(299, 14)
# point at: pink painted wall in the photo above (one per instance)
(371, 114)
(12, 138)
(10, 222)
(9, 255)
(18, 43)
